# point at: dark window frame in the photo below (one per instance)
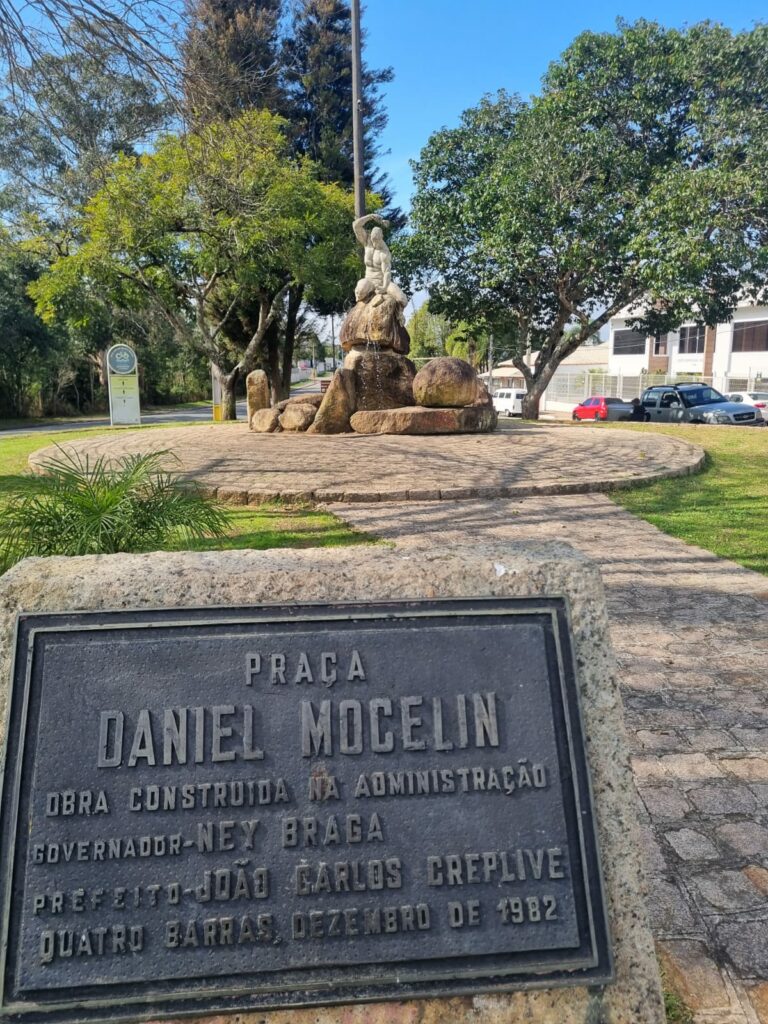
(750, 336)
(692, 340)
(629, 343)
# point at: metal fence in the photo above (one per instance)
(568, 388)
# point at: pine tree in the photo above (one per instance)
(232, 58)
(317, 65)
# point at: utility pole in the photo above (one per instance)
(490, 362)
(357, 110)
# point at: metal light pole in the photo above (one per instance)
(357, 110)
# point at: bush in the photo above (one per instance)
(80, 508)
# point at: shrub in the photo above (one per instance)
(84, 508)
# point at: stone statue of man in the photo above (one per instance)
(378, 260)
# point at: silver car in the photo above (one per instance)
(696, 403)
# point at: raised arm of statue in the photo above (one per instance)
(358, 227)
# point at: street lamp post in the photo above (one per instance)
(357, 110)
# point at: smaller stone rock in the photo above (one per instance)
(297, 417)
(314, 399)
(257, 391)
(264, 421)
(338, 405)
(446, 382)
(484, 398)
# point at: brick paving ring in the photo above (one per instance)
(241, 467)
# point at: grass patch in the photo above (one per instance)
(725, 507)
(273, 525)
(676, 1010)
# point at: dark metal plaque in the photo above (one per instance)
(232, 809)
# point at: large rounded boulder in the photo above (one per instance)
(445, 382)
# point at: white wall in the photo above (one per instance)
(741, 364)
(628, 366)
(683, 362)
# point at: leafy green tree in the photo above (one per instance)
(28, 348)
(468, 343)
(202, 231)
(64, 119)
(428, 332)
(638, 177)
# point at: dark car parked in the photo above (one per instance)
(696, 403)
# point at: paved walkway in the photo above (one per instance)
(242, 467)
(691, 634)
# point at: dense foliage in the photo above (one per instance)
(84, 508)
(183, 267)
(638, 177)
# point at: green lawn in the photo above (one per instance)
(724, 508)
(273, 525)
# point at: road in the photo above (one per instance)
(192, 415)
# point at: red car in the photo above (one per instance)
(602, 408)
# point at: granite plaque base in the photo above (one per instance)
(384, 796)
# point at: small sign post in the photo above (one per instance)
(218, 408)
(123, 381)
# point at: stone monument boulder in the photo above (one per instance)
(376, 321)
(417, 419)
(446, 382)
(312, 399)
(337, 406)
(297, 416)
(264, 421)
(383, 379)
(257, 392)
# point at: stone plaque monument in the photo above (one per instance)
(227, 805)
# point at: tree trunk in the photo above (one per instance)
(536, 388)
(272, 343)
(295, 298)
(228, 384)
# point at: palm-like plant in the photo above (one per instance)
(100, 507)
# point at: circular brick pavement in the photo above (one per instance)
(240, 467)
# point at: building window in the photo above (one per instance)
(751, 337)
(692, 340)
(660, 345)
(628, 343)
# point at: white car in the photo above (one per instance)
(757, 398)
(509, 402)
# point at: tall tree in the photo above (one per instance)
(637, 178)
(317, 58)
(190, 231)
(231, 58)
(65, 118)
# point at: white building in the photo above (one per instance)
(731, 355)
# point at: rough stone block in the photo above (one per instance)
(689, 844)
(723, 799)
(257, 392)
(264, 421)
(693, 975)
(242, 578)
(416, 419)
(297, 417)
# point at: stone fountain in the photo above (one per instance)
(378, 390)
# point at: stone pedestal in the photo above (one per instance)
(251, 578)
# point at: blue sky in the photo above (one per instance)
(447, 53)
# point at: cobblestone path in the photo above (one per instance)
(242, 467)
(690, 632)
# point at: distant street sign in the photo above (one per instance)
(123, 380)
